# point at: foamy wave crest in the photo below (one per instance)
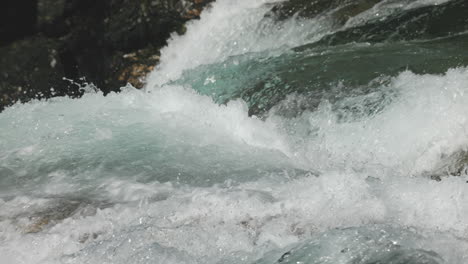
(420, 119)
(232, 28)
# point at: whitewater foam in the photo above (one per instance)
(423, 119)
(166, 175)
(232, 28)
(367, 167)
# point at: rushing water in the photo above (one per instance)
(264, 136)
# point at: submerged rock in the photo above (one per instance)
(358, 245)
(454, 164)
(58, 210)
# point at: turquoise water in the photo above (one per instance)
(258, 139)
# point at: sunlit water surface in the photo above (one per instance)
(252, 143)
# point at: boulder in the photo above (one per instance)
(17, 19)
(105, 42)
(32, 68)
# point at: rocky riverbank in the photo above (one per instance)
(52, 47)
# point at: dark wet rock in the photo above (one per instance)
(284, 257)
(135, 66)
(100, 32)
(60, 209)
(454, 164)
(87, 237)
(17, 19)
(131, 25)
(49, 12)
(87, 41)
(422, 23)
(32, 68)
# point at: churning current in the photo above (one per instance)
(267, 134)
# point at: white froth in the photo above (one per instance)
(212, 224)
(425, 119)
(231, 28)
(228, 28)
(369, 174)
(168, 176)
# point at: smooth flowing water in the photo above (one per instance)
(269, 133)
